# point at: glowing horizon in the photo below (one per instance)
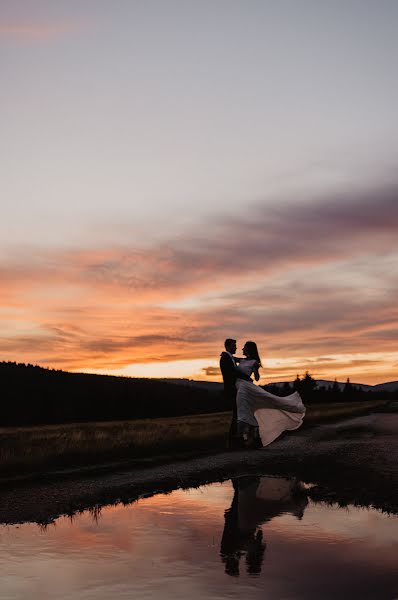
(338, 367)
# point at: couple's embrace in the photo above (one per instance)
(258, 416)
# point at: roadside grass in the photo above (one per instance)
(334, 410)
(38, 449)
(48, 447)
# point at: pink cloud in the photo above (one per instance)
(38, 31)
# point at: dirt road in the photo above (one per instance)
(352, 461)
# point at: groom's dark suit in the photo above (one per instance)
(229, 375)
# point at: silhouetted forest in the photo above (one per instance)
(33, 395)
(313, 393)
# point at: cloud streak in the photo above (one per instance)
(273, 240)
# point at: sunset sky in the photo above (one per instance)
(176, 172)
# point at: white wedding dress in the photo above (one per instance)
(271, 414)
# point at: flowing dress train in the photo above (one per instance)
(270, 413)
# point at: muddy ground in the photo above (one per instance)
(354, 461)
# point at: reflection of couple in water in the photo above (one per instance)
(258, 416)
(256, 501)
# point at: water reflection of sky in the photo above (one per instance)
(205, 542)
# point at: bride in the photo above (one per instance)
(262, 414)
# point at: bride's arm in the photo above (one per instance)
(256, 367)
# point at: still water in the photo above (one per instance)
(254, 537)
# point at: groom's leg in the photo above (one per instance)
(234, 438)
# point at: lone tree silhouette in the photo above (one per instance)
(297, 383)
(348, 388)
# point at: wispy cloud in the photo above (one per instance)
(38, 31)
(275, 240)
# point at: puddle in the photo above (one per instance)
(253, 537)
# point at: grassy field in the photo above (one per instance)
(45, 448)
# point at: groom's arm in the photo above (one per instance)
(229, 371)
(227, 367)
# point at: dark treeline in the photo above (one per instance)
(312, 393)
(33, 395)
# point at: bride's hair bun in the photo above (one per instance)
(251, 347)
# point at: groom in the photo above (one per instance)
(229, 375)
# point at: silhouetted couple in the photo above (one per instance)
(258, 417)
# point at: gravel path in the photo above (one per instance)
(352, 461)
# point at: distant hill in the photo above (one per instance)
(390, 386)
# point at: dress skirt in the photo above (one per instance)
(271, 414)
